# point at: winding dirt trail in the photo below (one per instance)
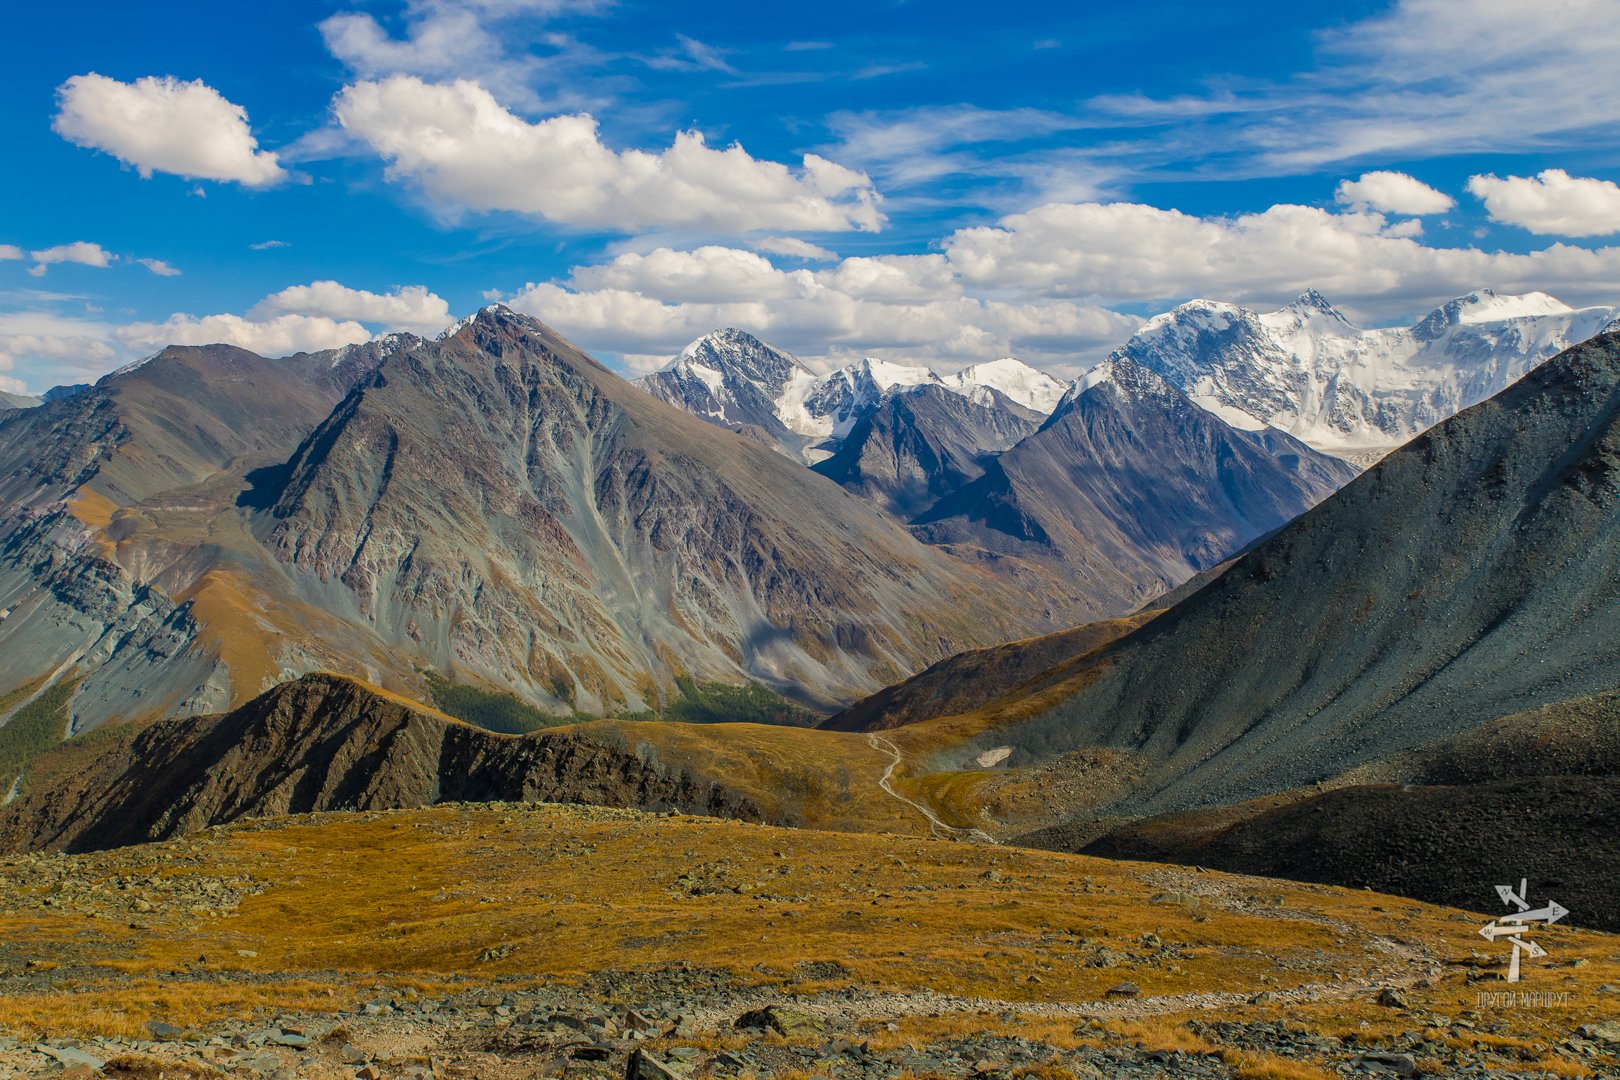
(936, 826)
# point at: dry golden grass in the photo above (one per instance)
(1160, 1033)
(1248, 1065)
(124, 1014)
(16, 696)
(93, 509)
(1557, 1066)
(955, 796)
(354, 901)
(236, 631)
(820, 779)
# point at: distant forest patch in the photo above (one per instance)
(33, 730)
(492, 710)
(721, 703)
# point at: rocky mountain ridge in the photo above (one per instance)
(920, 444)
(735, 380)
(1127, 490)
(324, 742)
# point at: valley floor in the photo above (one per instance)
(540, 940)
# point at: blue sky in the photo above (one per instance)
(933, 182)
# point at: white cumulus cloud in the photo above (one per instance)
(1392, 193)
(159, 267)
(47, 347)
(1132, 253)
(1551, 203)
(909, 307)
(410, 307)
(44, 348)
(280, 335)
(300, 318)
(164, 125)
(11, 251)
(80, 348)
(465, 150)
(81, 252)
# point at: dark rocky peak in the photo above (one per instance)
(66, 390)
(499, 332)
(737, 353)
(1119, 379)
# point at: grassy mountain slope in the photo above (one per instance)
(325, 742)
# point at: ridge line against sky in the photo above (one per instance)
(906, 180)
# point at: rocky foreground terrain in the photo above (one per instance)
(519, 940)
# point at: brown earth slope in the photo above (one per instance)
(971, 679)
(1447, 845)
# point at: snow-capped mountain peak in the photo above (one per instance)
(1029, 387)
(730, 347)
(1310, 313)
(1488, 306)
(1310, 372)
(886, 375)
(734, 379)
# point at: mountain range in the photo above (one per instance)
(917, 444)
(735, 380)
(1468, 576)
(494, 505)
(1094, 499)
(1127, 490)
(186, 542)
(1366, 697)
(1307, 370)
(497, 507)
